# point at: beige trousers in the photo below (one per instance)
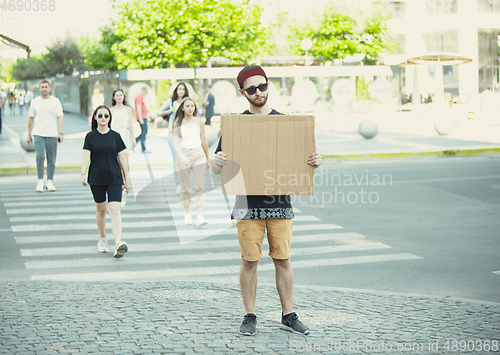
(198, 166)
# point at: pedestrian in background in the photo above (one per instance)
(123, 120)
(45, 126)
(104, 157)
(141, 115)
(21, 100)
(256, 214)
(167, 112)
(209, 105)
(12, 103)
(192, 156)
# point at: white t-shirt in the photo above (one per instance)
(45, 112)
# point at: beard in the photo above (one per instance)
(258, 102)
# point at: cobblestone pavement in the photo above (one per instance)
(50, 317)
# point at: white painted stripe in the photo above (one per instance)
(173, 234)
(127, 215)
(206, 271)
(127, 209)
(177, 246)
(70, 202)
(170, 259)
(496, 272)
(347, 261)
(212, 223)
(83, 226)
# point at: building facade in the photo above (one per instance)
(470, 28)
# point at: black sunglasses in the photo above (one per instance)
(253, 89)
(100, 115)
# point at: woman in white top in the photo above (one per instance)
(192, 155)
(167, 112)
(123, 120)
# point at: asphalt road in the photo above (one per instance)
(426, 226)
(445, 211)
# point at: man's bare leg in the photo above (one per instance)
(284, 283)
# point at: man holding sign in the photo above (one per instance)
(255, 214)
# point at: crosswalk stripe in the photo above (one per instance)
(91, 208)
(170, 259)
(166, 246)
(218, 270)
(145, 224)
(173, 234)
(127, 215)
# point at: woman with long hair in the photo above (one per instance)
(167, 112)
(123, 123)
(192, 156)
(104, 158)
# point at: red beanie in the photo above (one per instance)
(248, 71)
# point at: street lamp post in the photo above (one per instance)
(306, 44)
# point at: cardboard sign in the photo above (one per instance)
(268, 154)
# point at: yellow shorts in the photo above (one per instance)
(251, 235)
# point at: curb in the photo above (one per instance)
(415, 155)
(345, 157)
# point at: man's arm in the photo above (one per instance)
(60, 123)
(31, 120)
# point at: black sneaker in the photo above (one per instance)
(248, 325)
(292, 323)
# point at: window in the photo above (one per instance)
(442, 7)
(488, 6)
(396, 8)
(442, 42)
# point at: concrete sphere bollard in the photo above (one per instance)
(211, 135)
(368, 129)
(27, 147)
(444, 125)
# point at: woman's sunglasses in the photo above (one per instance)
(101, 115)
(253, 89)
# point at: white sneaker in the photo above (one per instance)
(102, 245)
(121, 249)
(178, 190)
(188, 219)
(39, 186)
(50, 186)
(200, 221)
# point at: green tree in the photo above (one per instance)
(32, 68)
(161, 33)
(61, 58)
(6, 70)
(337, 34)
(97, 52)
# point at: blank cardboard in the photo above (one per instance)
(268, 154)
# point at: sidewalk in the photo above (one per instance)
(204, 318)
(401, 135)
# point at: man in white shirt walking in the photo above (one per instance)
(45, 127)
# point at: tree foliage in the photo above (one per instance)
(337, 34)
(162, 33)
(97, 52)
(61, 58)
